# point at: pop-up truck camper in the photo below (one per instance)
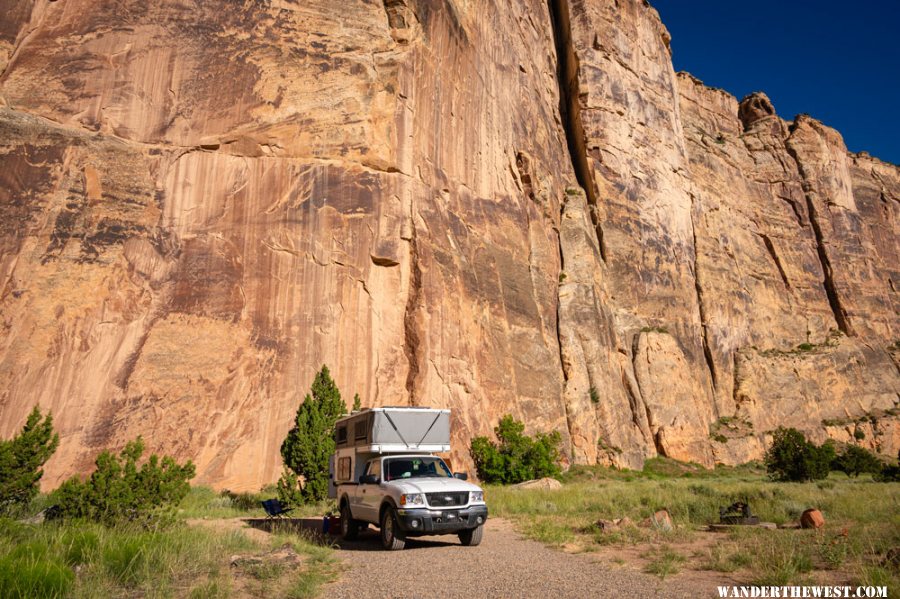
(384, 472)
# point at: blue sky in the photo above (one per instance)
(837, 61)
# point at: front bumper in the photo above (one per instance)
(441, 521)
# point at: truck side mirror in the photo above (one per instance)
(368, 479)
(461, 475)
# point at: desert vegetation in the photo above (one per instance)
(515, 457)
(601, 509)
(310, 443)
(135, 527)
(862, 522)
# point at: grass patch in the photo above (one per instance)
(110, 561)
(664, 561)
(321, 566)
(87, 560)
(722, 558)
(862, 520)
(203, 502)
(550, 531)
(662, 330)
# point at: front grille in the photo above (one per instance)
(447, 499)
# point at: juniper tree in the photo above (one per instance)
(310, 442)
(22, 459)
(120, 489)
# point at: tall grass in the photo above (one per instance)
(863, 519)
(87, 560)
(203, 502)
(42, 560)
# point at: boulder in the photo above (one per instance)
(540, 483)
(812, 518)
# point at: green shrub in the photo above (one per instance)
(120, 490)
(890, 473)
(310, 442)
(792, 458)
(854, 460)
(517, 457)
(22, 459)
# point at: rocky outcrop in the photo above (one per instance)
(498, 209)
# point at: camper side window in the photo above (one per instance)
(360, 432)
(343, 470)
(341, 435)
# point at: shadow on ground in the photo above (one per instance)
(311, 528)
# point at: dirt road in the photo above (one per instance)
(504, 565)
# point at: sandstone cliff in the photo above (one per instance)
(494, 207)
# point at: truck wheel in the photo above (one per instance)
(392, 537)
(349, 526)
(471, 537)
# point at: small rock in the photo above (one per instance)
(242, 561)
(767, 525)
(541, 483)
(613, 525)
(38, 518)
(812, 518)
(789, 525)
(606, 525)
(660, 520)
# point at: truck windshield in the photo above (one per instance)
(396, 468)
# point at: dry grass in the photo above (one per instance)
(863, 522)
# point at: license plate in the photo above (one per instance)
(450, 516)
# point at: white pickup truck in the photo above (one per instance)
(384, 473)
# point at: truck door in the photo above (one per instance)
(370, 495)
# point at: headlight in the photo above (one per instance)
(412, 499)
(476, 496)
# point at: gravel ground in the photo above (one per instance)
(504, 565)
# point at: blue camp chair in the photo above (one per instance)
(274, 509)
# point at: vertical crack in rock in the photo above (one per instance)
(570, 109)
(770, 247)
(834, 300)
(411, 336)
(698, 288)
(653, 435)
(563, 363)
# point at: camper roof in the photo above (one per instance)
(392, 409)
(391, 429)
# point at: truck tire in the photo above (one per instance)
(471, 537)
(392, 538)
(349, 526)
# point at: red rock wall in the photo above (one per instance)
(494, 207)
